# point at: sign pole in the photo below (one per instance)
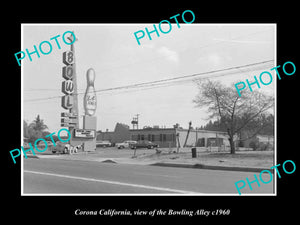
(74, 109)
(85, 137)
(69, 88)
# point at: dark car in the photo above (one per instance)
(103, 144)
(144, 144)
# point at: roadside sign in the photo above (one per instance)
(68, 72)
(67, 114)
(67, 87)
(68, 120)
(68, 58)
(84, 133)
(67, 101)
(67, 124)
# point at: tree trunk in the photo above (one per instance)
(232, 147)
(231, 142)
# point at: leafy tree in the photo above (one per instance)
(25, 129)
(213, 126)
(38, 124)
(233, 112)
(34, 130)
(262, 124)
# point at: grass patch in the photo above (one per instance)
(259, 159)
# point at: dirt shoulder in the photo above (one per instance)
(253, 159)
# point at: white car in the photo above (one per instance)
(65, 148)
(125, 144)
(60, 148)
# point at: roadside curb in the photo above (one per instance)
(208, 167)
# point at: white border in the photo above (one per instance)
(117, 194)
(22, 113)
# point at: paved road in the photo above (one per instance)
(56, 176)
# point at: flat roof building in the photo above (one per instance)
(166, 137)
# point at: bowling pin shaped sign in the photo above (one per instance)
(90, 101)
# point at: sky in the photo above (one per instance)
(113, 52)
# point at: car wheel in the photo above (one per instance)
(53, 152)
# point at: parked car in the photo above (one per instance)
(26, 145)
(65, 148)
(41, 145)
(144, 144)
(60, 147)
(103, 144)
(125, 144)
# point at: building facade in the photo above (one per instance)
(166, 137)
(120, 134)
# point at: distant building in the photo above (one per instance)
(166, 137)
(260, 142)
(120, 134)
(173, 137)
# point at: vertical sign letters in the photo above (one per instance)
(67, 85)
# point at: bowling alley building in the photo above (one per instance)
(165, 137)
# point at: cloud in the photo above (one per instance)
(214, 59)
(169, 54)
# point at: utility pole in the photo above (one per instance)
(188, 132)
(135, 121)
(196, 142)
(178, 142)
(217, 141)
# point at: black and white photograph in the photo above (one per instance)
(164, 115)
(113, 109)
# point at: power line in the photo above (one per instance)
(219, 41)
(184, 77)
(168, 80)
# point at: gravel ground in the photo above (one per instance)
(264, 159)
(259, 159)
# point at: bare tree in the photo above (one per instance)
(233, 111)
